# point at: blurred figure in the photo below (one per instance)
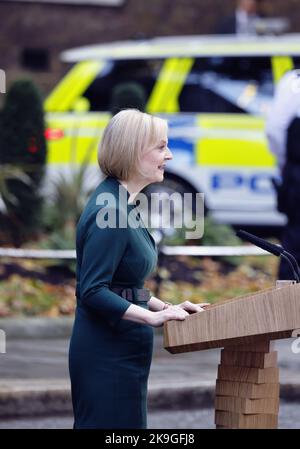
(283, 133)
(128, 95)
(242, 22)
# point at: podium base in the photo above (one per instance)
(247, 387)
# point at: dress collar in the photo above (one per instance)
(117, 185)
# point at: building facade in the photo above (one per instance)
(34, 33)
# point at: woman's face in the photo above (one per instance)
(154, 160)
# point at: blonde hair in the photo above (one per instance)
(124, 140)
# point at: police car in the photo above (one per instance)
(214, 91)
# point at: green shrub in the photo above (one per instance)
(60, 216)
(216, 234)
(61, 239)
(22, 145)
(68, 199)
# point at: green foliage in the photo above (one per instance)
(8, 172)
(60, 216)
(31, 297)
(69, 198)
(25, 296)
(127, 95)
(216, 234)
(61, 239)
(22, 145)
(175, 237)
(8, 222)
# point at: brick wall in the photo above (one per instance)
(58, 27)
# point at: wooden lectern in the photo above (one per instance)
(247, 386)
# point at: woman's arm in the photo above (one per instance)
(158, 315)
(140, 315)
(102, 251)
(156, 305)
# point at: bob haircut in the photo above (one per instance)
(126, 137)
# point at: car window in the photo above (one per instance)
(296, 60)
(142, 72)
(228, 85)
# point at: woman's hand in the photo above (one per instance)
(157, 319)
(193, 308)
(178, 312)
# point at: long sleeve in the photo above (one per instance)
(102, 252)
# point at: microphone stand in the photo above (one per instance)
(277, 250)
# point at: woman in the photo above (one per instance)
(111, 345)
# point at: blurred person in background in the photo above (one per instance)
(283, 134)
(112, 339)
(242, 22)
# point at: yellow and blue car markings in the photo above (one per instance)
(182, 143)
(228, 141)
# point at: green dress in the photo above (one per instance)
(109, 357)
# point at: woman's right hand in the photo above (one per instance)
(157, 319)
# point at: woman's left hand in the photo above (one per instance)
(191, 307)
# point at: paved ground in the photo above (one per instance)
(42, 363)
(47, 359)
(182, 419)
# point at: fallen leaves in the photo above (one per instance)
(212, 280)
(182, 278)
(25, 296)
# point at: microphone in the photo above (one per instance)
(277, 250)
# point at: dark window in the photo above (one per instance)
(35, 58)
(296, 60)
(228, 84)
(141, 72)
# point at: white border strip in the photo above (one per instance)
(213, 251)
(166, 250)
(38, 253)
